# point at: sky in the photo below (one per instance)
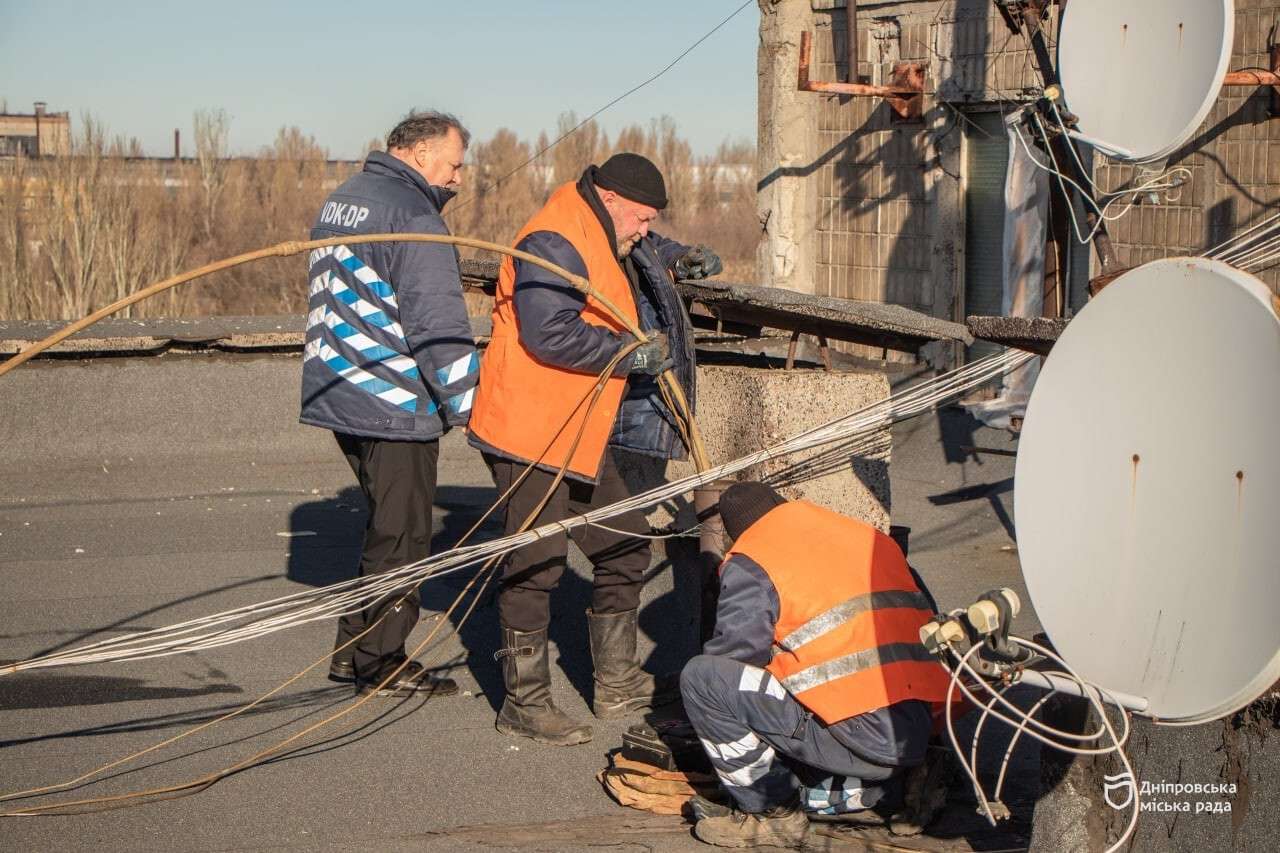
(346, 72)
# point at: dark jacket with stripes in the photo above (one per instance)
(553, 331)
(389, 352)
(746, 616)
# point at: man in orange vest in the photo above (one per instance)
(550, 346)
(815, 674)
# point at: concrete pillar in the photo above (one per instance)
(745, 409)
(788, 137)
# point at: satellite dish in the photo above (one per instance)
(1141, 75)
(1147, 479)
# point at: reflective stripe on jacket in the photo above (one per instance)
(389, 352)
(847, 633)
(533, 411)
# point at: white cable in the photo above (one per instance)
(1241, 235)
(691, 533)
(347, 596)
(1095, 696)
(1132, 194)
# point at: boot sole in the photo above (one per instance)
(763, 840)
(623, 708)
(402, 692)
(565, 741)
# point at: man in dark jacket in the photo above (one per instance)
(815, 673)
(389, 366)
(542, 345)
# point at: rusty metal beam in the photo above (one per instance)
(1251, 78)
(905, 96)
(1257, 77)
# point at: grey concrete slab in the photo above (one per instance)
(124, 335)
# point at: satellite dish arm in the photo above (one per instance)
(1029, 13)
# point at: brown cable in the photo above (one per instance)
(669, 385)
(294, 247)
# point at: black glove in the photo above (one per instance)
(653, 356)
(698, 262)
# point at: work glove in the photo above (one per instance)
(653, 356)
(698, 262)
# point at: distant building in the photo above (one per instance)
(36, 134)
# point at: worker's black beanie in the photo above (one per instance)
(743, 504)
(633, 177)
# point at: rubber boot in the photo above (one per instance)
(528, 710)
(620, 685)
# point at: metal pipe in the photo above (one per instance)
(1251, 78)
(1058, 684)
(851, 39)
(804, 84)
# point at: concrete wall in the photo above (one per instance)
(742, 410)
(858, 206)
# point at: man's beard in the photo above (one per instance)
(625, 247)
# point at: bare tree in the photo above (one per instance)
(212, 129)
(14, 253)
(578, 150)
(499, 199)
(73, 225)
(81, 230)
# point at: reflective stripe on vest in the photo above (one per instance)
(829, 620)
(816, 676)
(533, 411)
(849, 613)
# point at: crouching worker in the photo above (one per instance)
(815, 673)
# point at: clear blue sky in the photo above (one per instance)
(345, 72)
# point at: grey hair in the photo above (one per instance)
(427, 124)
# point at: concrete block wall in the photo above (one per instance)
(1234, 159)
(867, 207)
(742, 410)
(858, 206)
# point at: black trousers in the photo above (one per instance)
(398, 479)
(620, 561)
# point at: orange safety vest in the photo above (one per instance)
(847, 639)
(533, 411)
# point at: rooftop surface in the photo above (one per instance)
(138, 492)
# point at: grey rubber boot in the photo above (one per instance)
(620, 685)
(528, 710)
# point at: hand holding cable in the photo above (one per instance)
(653, 357)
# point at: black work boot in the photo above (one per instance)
(412, 680)
(620, 685)
(528, 710)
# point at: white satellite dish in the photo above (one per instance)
(1141, 75)
(1147, 481)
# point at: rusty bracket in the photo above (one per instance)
(1261, 78)
(824, 349)
(1015, 12)
(904, 94)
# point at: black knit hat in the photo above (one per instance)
(633, 177)
(743, 504)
